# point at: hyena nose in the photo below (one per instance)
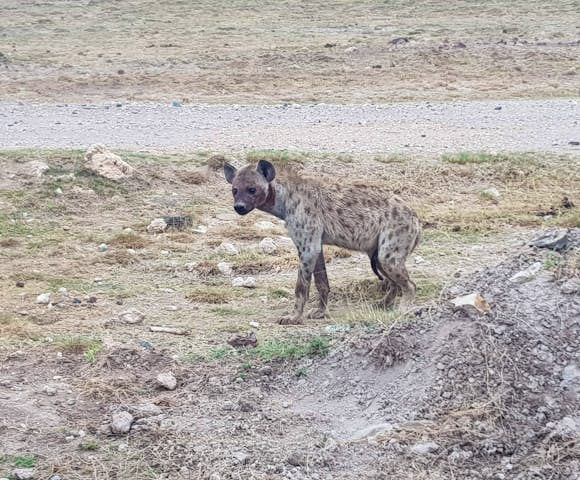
(240, 208)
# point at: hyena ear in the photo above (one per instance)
(267, 170)
(229, 172)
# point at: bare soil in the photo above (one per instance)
(346, 397)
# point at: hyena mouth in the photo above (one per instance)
(241, 210)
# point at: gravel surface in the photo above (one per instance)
(526, 125)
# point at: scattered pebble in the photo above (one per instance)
(296, 459)
(50, 391)
(157, 225)
(528, 274)
(248, 340)
(228, 249)
(199, 229)
(43, 298)
(103, 247)
(107, 164)
(268, 246)
(491, 193)
(121, 422)
(241, 458)
(245, 282)
(23, 473)
(132, 317)
(167, 380)
(225, 268)
(424, 448)
(254, 325)
(20, 284)
(571, 286)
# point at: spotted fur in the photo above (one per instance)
(356, 216)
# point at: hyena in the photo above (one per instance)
(318, 212)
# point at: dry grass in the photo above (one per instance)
(238, 52)
(129, 240)
(214, 295)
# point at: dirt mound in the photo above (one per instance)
(465, 395)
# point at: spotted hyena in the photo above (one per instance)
(318, 212)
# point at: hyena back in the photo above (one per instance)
(318, 212)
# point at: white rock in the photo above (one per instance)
(268, 246)
(471, 302)
(132, 317)
(36, 168)
(228, 249)
(103, 247)
(568, 429)
(419, 259)
(145, 410)
(254, 325)
(265, 225)
(491, 193)
(50, 390)
(122, 422)
(107, 164)
(246, 282)
(350, 50)
(571, 376)
(63, 291)
(199, 229)
(158, 225)
(23, 473)
(167, 380)
(225, 268)
(528, 274)
(424, 448)
(58, 191)
(43, 298)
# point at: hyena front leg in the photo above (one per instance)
(321, 281)
(308, 253)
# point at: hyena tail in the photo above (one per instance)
(375, 265)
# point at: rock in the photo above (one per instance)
(567, 429)
(121, 422)
(241, 458)
(459, 45)
(145, 410)
(424, 448)
(472, 302)
(372, 431)
(228, 249)
(491, 193)
(571, 286)
(105, 163)
(36, 168)
(23, 473)
(20, 284)
(55, 477)
(245, 282)
(267, 370)
(248, 340)
(43, 298)
(399, 41)
(103, 247)
(167, 380)
(296, 459)
(199, 229)
(176, 104)
(50, 390)
(225, 268)
(179, 223)
(157, 225)
(528, 274)
(268, 246)
(132, 317)
(351, 50)
(254, 324)
(554, 240)
(265, 225)
(571, 377)
(246, 405)
(58, 191)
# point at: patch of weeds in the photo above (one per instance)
(278, 350)
(466, 158)
(553, 261)
(100, 185)
(220, 353)
(192, 358)
(301, 373)
(246, 366)
(89, 445)
(25, 461)
(280, 293)
(372, 317)
(91, 353)
(73, 344)
(280, 158)
(428, 288)
(568, 219)
(129, 240)
(210, 294)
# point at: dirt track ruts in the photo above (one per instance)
(524, 125)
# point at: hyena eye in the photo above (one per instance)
(252, 191)
(235, 191)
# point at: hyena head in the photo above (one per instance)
(250, 185)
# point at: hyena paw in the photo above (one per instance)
(317, 313)
(291, 320)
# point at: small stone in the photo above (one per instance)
(268, 246)
(254, 324)
(424, 448)
(176, 104)
(107, 164)
(228, 249)
(571, 286)
(20, 284)
(58, 191)
(131, 317)
(241, 458)
(265, 225)
(167, 380)
(23, 473)
(199, 229)
(372, 431)
(225, 268)
(267, 370)
(122, 422)
(248, 340)
(55, 477)
(43, 298)
(567, 429)
(528, 274)
(63, 291)
(350, 50)
(145, 410)
(297, 459)
(246, 405)
(245, 282)
(472, 302)
(50, 391)
(103, 247)
(491, 193)
(157, 225)
(554, 240)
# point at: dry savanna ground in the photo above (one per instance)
(51, 228)
(263, 52)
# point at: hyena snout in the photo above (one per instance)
(241, 208)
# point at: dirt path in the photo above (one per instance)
(549, 125)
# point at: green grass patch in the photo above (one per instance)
(25, 461)
(78, 344)
(275, 350)
(467, 158)
(280, 158)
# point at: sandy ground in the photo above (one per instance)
(548, 125)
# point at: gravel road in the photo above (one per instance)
(526, 125)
